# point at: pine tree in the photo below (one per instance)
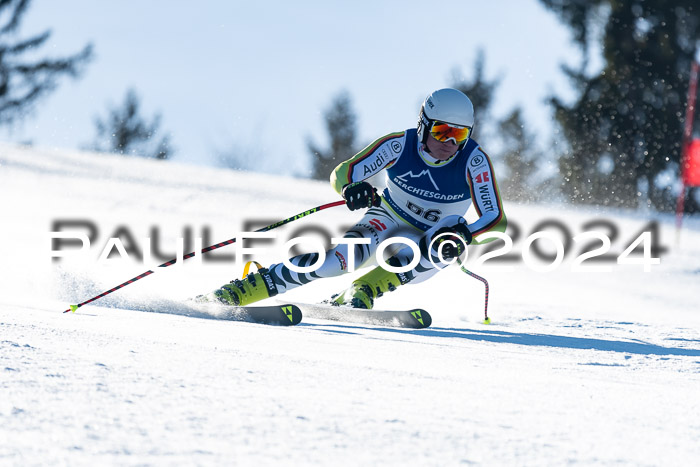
(342, 131)
(23, 81)
(624, 128)
(520, 157)
(124, 131)
(480, 91)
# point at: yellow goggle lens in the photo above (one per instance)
(444, 132)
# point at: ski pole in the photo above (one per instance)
(206, 250)
(486, 320)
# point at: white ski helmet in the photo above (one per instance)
(445, 105)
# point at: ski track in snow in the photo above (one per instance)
(591, 368)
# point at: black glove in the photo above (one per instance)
(459, 233)
(360, 195)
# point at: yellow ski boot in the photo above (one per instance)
(241, 292)
(363, 291)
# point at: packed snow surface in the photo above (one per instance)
(594, 367)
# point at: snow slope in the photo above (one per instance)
(577, 367)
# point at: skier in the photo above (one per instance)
(433, 173)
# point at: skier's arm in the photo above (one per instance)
(371, 160)
(485, 195)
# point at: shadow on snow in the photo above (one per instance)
(540, 340)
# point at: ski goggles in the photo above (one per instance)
(444, 132)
